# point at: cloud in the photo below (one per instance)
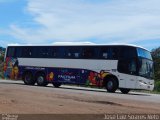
(3, 43)
(108, 21)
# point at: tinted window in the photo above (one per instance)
(127, 52)
(42, 52)
(127, 60)
(28, 52)
(73, 52)
(114, 52)
(88, 52)
(18, 52)
(105, 53)
(128, 66)
(108, 52)
(46, 52)
(53, 52)
(11, 52)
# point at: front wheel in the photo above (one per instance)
(56, 85)
(124, 90)
(111, 85)
(40, 79)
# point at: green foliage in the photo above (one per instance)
(1, 69)
(1, 58)
(2, 52)
(1, 66)
(157, 86)
(156, 59)
(1, 75)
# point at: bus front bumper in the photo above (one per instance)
(145, 84)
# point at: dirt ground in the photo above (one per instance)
(22, 99)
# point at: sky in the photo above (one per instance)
(99, 21)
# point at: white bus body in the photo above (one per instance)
(111, 66)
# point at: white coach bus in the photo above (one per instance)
(113, 67)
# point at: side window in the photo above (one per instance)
(43, 52)
(18, 52)
(114, 52)
(73, 52)
(127, 53)
(88, 52)
(132, 66)
(123, 66)
(105, 53)
(127, 61)
(108, 52)
(53, 52)
(127, 66)
(11, 52)
(27, 52)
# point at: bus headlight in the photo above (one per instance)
(142, 81)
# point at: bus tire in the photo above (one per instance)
(124, 90)
(111, 84)
(56, 84)
(28, 78)
(41, 79)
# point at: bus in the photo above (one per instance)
(123, 67)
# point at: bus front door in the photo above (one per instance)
(127, 81)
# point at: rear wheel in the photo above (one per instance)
(28, 78)
(41, 80)
(56, 85)
(124, 90)
(111, 84)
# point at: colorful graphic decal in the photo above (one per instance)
(68, 75)
(63, 75)
(77, 76)
(50, 76)
(11, 69)
(96, 78)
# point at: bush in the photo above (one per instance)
(1, 69)
(1, 75)
(157, 86)
(1, 58)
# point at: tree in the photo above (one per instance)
(156, 59)
(1, 59)
(1, 66)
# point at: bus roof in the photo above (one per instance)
(77, 44)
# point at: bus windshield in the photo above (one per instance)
(146, 68)
(144, 53)
(145, 64)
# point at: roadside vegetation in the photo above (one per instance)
(1, 66)
(156, 59)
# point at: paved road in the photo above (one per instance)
(15, 97)
(139, 96)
